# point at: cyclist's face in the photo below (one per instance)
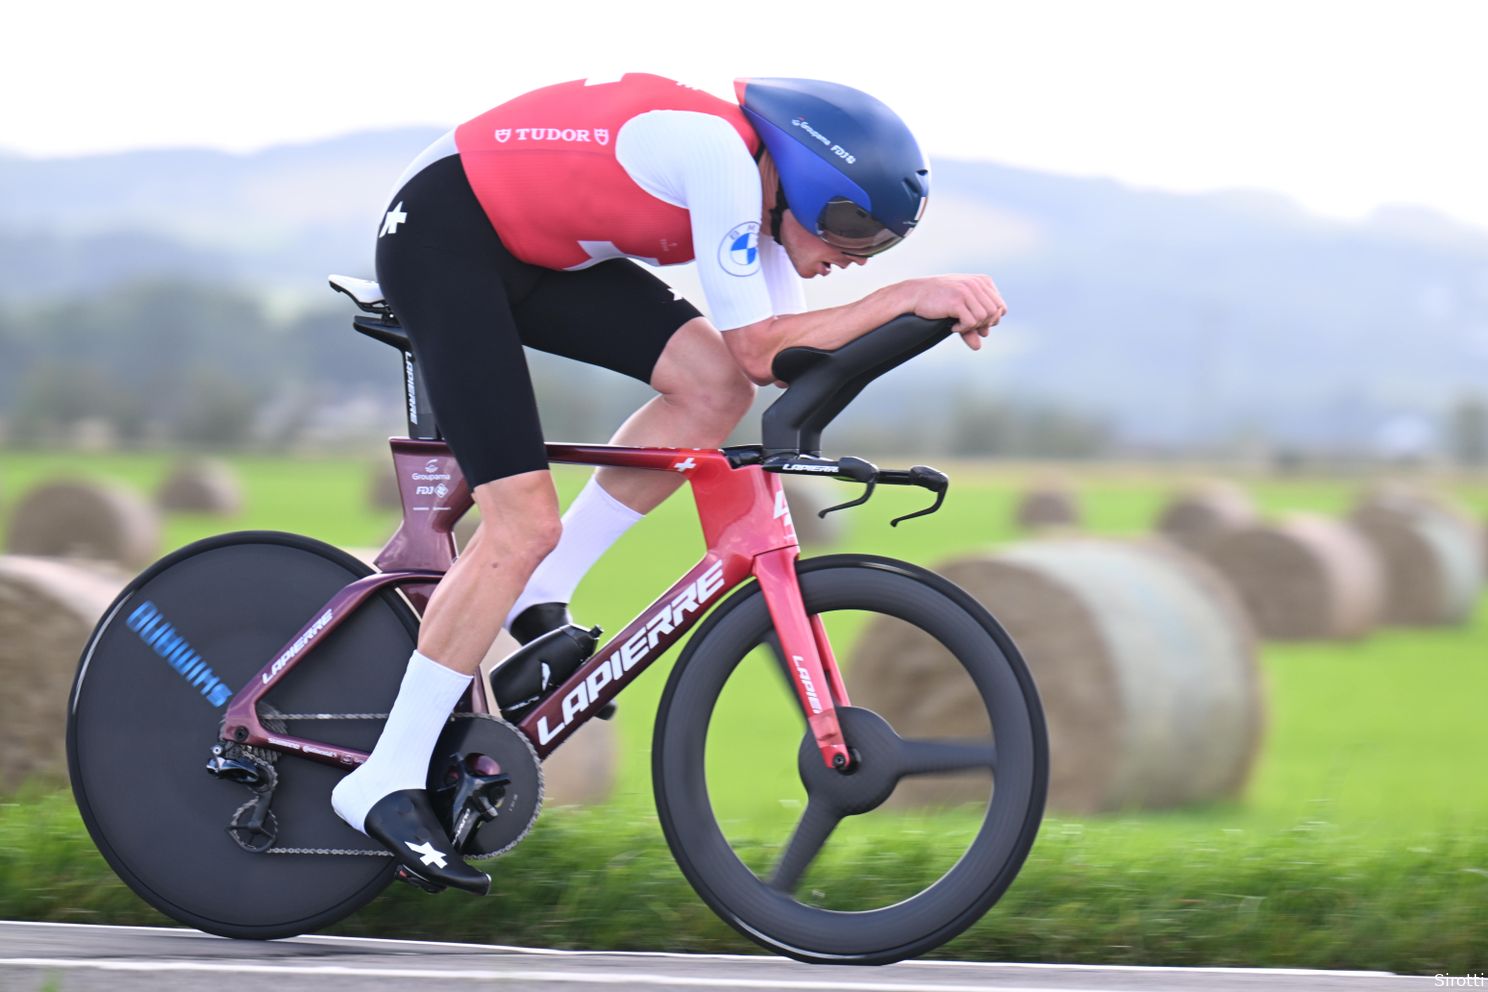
(810, 255)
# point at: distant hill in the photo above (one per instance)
(285, 215)
(1176, 317)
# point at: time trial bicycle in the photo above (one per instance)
(273, 658)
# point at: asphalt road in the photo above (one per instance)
(74, 958)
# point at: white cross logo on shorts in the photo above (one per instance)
(394, 217)
(685, 466)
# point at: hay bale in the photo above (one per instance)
(1208, 581)
(86, 519)
(201, 485)
(1432, 556)
(1145, 665)
(1048, 505)
(1306, 577)
(1196, 517)
(1396, 494)
(807, 498)
(48, 609)
(1400, 497)
(582, 771)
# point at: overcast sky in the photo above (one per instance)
(1344, 106)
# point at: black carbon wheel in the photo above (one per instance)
(746, 823)
(143, 718)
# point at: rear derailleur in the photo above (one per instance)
(252, 827)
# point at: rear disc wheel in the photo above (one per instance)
(146, 709)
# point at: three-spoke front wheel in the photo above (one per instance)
(875, 864)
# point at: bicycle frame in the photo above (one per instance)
(748, 530)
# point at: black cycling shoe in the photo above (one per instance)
(538, 619)
(406, 824)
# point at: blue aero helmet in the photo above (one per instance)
(849, 168)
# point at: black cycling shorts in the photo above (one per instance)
(469, 306)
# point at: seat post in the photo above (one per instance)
(384, 327)
(421, 423)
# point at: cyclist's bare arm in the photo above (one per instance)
(973, 300)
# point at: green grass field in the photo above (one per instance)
(1359, 842)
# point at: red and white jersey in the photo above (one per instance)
(642, 166)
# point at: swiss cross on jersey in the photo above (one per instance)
(544, 169)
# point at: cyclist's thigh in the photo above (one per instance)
(442, 269)
(614, 314)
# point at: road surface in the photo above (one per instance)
(60, 957)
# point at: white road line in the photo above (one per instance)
(687, 956)
(414, 945)
(553, 977)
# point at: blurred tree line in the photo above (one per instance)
(177, 362)
(186, 363)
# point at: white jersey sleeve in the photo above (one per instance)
(787, 289)
(698, 162)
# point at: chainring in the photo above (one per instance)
(479, 744)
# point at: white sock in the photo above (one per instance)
(401, 758)
(594, 521)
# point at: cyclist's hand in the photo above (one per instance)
(973, 300)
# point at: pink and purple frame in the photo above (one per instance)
(748, 530)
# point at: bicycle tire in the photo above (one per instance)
(139, 733)
(777, 919)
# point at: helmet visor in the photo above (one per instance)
(852, 230)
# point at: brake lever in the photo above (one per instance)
(867, 492)
(926, 478)
(854, 470)
(939, 499)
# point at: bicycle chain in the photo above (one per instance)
(330, 716)
(269, 758)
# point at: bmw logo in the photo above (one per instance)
(739, 252)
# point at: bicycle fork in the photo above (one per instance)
(805, 653)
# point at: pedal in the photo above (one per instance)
(416, 880)
(471, 805)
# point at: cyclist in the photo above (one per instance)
(518, 228)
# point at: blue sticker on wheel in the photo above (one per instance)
(165, 640)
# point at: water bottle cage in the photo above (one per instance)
(529, 673)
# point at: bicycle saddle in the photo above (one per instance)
(366, 293)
